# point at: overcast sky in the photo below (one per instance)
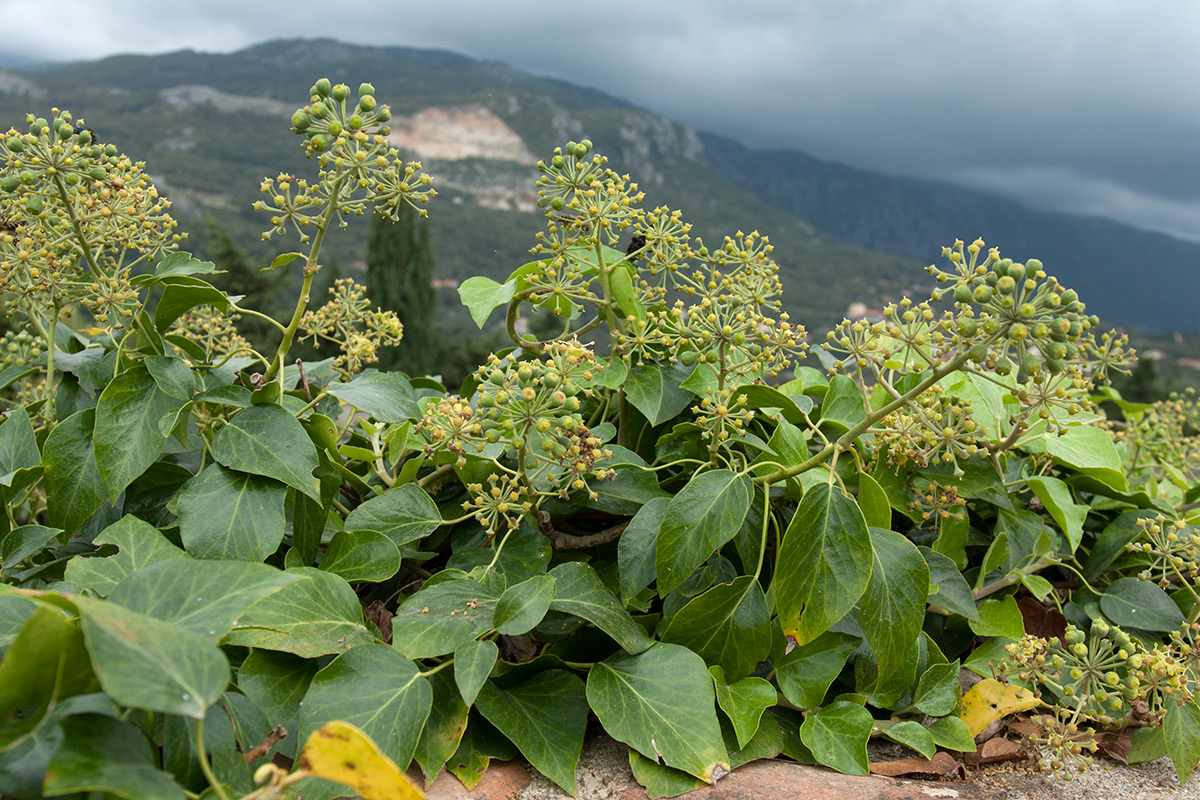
(1090, 106)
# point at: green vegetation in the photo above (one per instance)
(209, 543)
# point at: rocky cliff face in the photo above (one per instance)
(471, 149)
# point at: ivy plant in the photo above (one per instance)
(662, 516)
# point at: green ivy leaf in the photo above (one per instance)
(276, 683)
(728, 625)
(842, 407)
(22, 542)
(1181, 731)
(655, 391)
(376, 689)
(805, 674)
(127, 437)
(893, 606)
(1091, 451)
(178, 299)
(18, 446)
(384, 396)
(146, 663)
(545, 717)
(911, 733)
(1112, 540)
(704, 515)
(947, 587)
(952, 733)
(443, 729)
(473, 662)
(45, 660)
(225, 514)
(102, 754)
(266, 440)
(139, 545)
(524, 605)
(14, 611)
(837, 735)
(580, 591)
(660, 702)
(938, 690)
(743, 701)
(999, 618)
(793, 408)
(180, 263)
(205, 597)
(1134, 603)
(482, 295)
(436, 619)
(823, 565)
(660, 780)
(403, 513)
(361, 556)
(638, 546)
(1056, 497)
(318, 615)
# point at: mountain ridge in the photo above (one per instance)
(843, 235)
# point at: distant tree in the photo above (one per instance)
(400, 279)
(260, 289)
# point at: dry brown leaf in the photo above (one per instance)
(1115, 746)
(995, 749)
(1042, 621)
(942, 763)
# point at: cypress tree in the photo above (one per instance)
(400, 279)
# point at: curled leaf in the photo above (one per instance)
(338, 751)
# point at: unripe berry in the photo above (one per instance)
(319, 111)
(10, 183)
(1032, 267)
(982, 294)
(1016, 271)
(341, 92)
(365, 90)
(366, 103)
(383, 115)
(97, 173)
(962, 293)
(300, 121)
(15, 144)
(320, 142)
(321, 88)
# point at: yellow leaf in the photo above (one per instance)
(341, 752)
(989, 700)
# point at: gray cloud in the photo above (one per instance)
(1081, 105)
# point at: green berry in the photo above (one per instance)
(982, 294)
(97, 173)
(321, 88)
(340, 92)
(34, 205)
(301, 121)
(383, 115)
(1016, 271)
(365, 90)
(1032, 267)
(689, 358)
(15, 144)
(10, 183)
(319, 142)
(962, 293)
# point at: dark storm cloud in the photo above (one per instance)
(1082, 105)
